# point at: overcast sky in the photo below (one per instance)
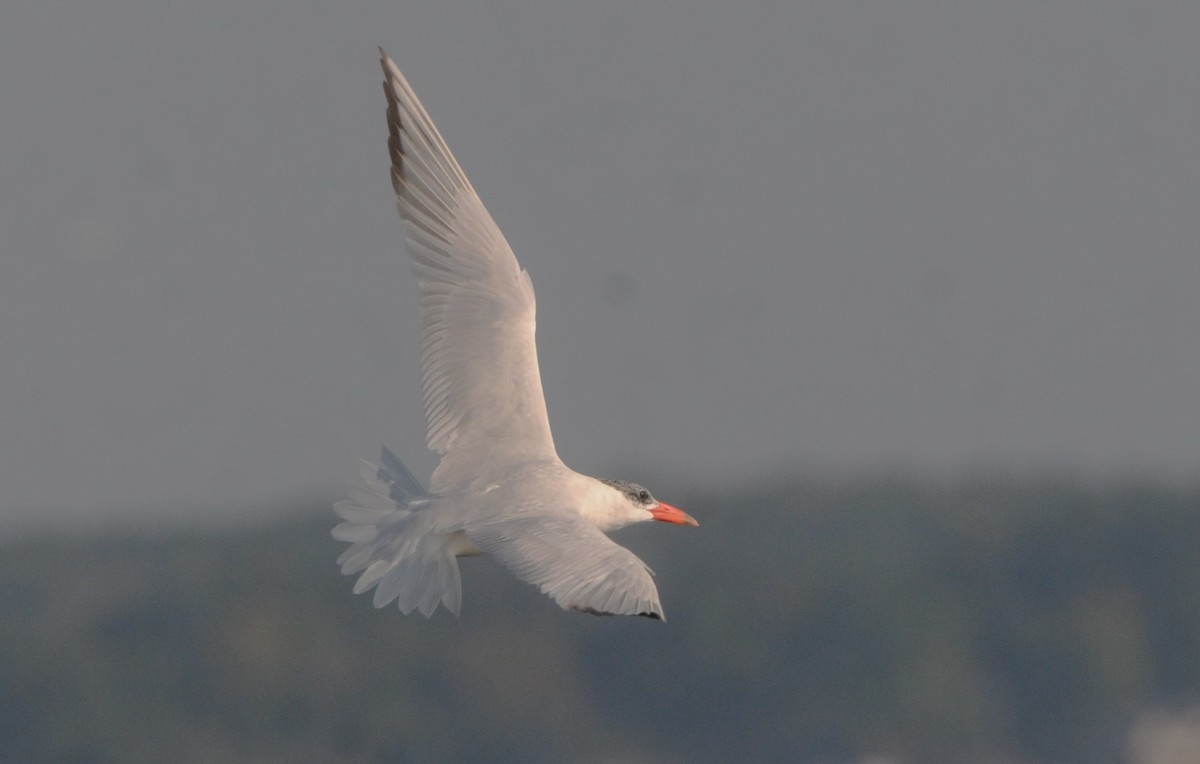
(767, 238)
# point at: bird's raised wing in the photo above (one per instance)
(572, 561)
(479, 371)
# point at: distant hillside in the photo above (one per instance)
(990, 622)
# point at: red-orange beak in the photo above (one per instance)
(669, 514)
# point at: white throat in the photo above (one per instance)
(608, 509)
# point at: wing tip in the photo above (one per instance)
(386, 61)
(654, 615)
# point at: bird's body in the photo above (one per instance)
(500, 487)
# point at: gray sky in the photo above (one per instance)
(766, 238)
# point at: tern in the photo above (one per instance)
(500, 488)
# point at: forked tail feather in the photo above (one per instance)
(396, 552)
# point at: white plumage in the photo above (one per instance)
(500, 488)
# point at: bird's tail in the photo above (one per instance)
(396, 552)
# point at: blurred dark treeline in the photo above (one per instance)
(1002, 621)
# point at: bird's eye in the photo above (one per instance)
(643, 496)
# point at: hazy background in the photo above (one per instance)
(767, 238)
(874, 623)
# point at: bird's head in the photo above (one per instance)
(640, 500)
